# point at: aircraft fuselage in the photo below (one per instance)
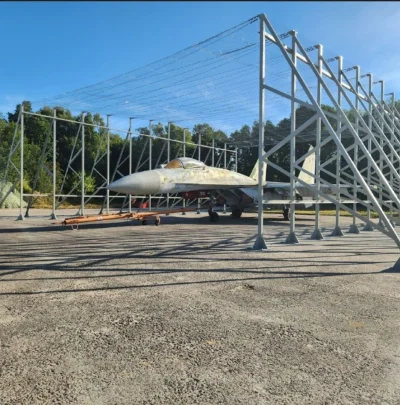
(163, 181)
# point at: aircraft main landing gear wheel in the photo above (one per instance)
(144, 222)
(236, 213)
(286, 214)
(214, 217)
(157, 222)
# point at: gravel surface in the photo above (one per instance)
(186, 313)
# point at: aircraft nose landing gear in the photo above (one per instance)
(286, 214)
(214, 217)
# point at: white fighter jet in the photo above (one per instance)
(240, 191)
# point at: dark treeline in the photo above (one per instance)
(36, 130)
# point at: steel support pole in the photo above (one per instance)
(21, 173)
(169, 152)
(353, 227)
(213, 151)
(150, 155)
(108, 164)
(53, 210)
(199, 148)
(368, 226)
(169, 142)
(130, 160)
(184, 155)
(260, 244)
(83, 165)
(224, 211)
(338, 230)
(184, 143)
(317, 235)
(236, 159)
(225, 156)
(292, 238)
(199, 157)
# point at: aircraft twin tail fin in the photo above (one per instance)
(309, 165)
(254, 172)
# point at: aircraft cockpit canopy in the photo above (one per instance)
(185, 163)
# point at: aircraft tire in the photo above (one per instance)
(214, 217)
(286, 214)
(144, 222)
(236, 213)
(157, 222)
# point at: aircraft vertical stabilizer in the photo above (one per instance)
(309, 165)
(254, 172)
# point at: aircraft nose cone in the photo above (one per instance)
(138, 183)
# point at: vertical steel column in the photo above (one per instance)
(353, 227)
(260, 244)
(224, 211)
(338, 230)
(150, 155)
(292, 238)
(224, 155)
(317, 235)
(130, 160)
(184, 155)
(53, 210)
(184, 142)
(199, 157)
(169, 151)
(213, 151)
(169, 142)
(83, 166)
(236, 159)
(108, 165)
(368, 226)
(199, 146)
(21, 173)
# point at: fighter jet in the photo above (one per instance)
(186, 174)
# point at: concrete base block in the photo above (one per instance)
(317, 235)
(260, 244)
(353, 229)
(337, 232)
(396, 266)
(292, 238)
(368, 228)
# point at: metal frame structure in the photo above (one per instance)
(373, 138)
(103, 153)
(356, 144)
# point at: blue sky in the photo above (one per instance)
(50, 48)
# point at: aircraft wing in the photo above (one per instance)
(213, 186)
(276, 184)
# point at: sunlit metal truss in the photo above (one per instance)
(373, 136)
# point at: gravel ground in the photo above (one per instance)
(186, 313)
